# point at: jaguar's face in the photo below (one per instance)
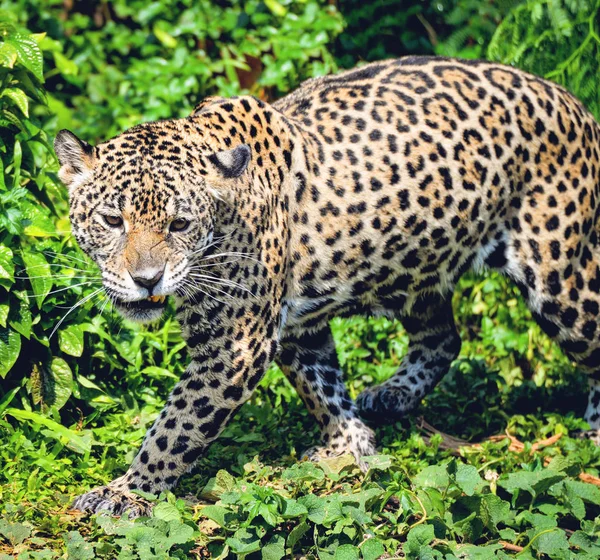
(143, 209)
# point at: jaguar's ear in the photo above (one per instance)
(76, 158)
(230, 164)
(205, 103)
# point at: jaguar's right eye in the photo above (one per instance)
(113, 221)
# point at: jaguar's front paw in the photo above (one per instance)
(112, 500)
(352, 437)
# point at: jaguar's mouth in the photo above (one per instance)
(143, 310)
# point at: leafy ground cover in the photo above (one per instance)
(77, 396)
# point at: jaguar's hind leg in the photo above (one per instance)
(310, 362)
(565, 301)
(592, 413)
(434, 344)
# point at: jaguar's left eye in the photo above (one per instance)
(180, 224)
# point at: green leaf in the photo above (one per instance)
(533, 482)
(7, 265)
(435, 476)
(378, 462)
(20, 317)
(552, 542)
(217, 486)
(493, 510)
(15, 533)
(467, 478)
(372, 549)
(70, 340)
(315, 507)
(418, 537)
(585, 542)
(78, 443)
(166, 512)
(28, 53)
(296, 535)
(276, 8)
(40, 275)
(78, 548)
(167, 40)
(52, 386)
(346, 552)
(8, 55)
(219, 514)
(18, 97)
(303, 472)
(244, 541)
(179, 533)
(10, 347)
(65, 66)
(292, 508)
(4, 310)
(275, 549)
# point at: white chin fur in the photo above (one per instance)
(141, 315)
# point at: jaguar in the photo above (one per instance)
(366, 192)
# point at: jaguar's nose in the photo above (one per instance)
(147, 278)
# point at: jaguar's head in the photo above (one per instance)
(142, 206)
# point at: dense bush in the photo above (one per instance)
(78, 387)
(125, 62)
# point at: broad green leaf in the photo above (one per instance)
(585, 542)
(303, 472)
(346, 552)
(8, 55)
(378, 462)
(80, 443)
(372, 549)
(275, 549)
(52, 386)
(587, 492)
(435, 476)
(20, 318)
(67, 67)
(219, 514)
(7, 265)
(179, 533)
(296, 535)
(28, 53)
(18, 97)
(292, 508)
(244, 541)
(551, 542)
(333, 466)
(4, 310)
(217, 486)
(78, 548)
(10, 347)
(493, 510)
(15, 533)
(39, 273)
(167, 40)
(467, 478)
(533, 482)
(70, 340)
(166, 512)
(419, 536)
(315, 507)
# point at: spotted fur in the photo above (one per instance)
(371, 191)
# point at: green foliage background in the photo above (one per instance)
(78, 387)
